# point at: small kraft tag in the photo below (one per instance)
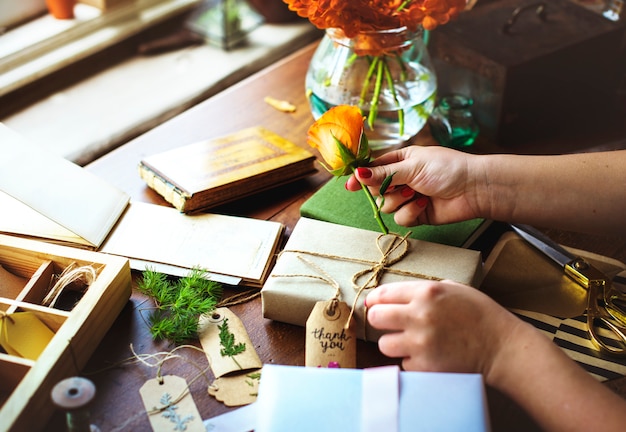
(226, 343)
(330, 339)
(236, 390)
(24, 335)
(170, 406)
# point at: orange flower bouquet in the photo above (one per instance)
(358, 16)
(339, 136)
(384, 67)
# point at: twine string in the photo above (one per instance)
(160, 358)
(157, 360)
(70, 274)
(394, 251)
(239, 298)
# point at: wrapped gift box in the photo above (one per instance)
(377, 399)
(322, 249)
(530, 71)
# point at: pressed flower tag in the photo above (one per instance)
(170, 406)
(236, 390)
(226, 343)
(24, 335)
(232, 357)
(330, 340)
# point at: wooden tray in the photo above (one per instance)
(25, 384)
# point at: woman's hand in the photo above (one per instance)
(440, 326)
(449, 327)
(431, 185)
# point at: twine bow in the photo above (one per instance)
(392, 251)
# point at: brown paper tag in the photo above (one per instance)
(226, 343)
(236, 390)
(166, 409)
(329, 341)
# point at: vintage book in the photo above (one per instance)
(332, 203)
(319, 250)
(213, 172)
(57, 201)
(373, 399)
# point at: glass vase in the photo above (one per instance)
(387, 73)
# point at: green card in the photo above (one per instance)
(333, 203)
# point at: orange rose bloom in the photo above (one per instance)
(339, 137)
(356, 16)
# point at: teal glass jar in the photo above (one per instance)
(452, 123)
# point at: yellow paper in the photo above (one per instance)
(22, 334)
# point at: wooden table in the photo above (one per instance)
(118, 379)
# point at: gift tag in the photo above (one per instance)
(24, 335)
(236, 390)
(330, 342)
(226, 343)
(170, 406)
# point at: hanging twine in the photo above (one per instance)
(72, 273)
(239, 298)
(156, 360)
(394, 251)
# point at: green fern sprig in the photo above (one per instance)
(179, 302)
(227, 341)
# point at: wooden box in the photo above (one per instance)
(25, 384)
(531, 67)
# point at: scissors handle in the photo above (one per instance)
(597, 315)
(584, 273)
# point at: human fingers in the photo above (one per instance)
(413, 212)
(394, 345)
(392, 293)
(388, 316)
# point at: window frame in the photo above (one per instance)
(45, 45)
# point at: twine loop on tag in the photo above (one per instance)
(159, 359)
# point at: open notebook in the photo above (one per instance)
(47, 197)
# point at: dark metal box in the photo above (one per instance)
(531, 67)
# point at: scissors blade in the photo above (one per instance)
(546, 245)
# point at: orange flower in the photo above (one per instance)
(356, 16)
(339, 137)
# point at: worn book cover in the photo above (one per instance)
(321, 257)
(213, 172)
(332, 203)
(46, 197)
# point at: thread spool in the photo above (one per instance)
(74, 395)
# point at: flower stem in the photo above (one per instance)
(368, 77)
(375, 209)
(392, 89)
(371, 118)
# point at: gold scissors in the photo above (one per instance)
(606, 297)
